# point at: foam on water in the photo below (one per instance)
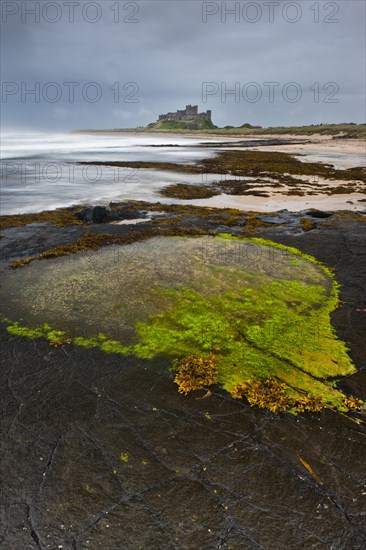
(39, 171)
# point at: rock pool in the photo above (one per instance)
(261, 310)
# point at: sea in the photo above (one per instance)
(41, 171)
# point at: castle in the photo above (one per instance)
(189, 113)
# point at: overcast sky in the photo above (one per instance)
(111, 64)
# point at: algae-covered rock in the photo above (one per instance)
(261, 310)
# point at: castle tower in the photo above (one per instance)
(192, 109)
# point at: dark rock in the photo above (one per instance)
(85, 214)
(94, 214)
(133, 215)
(100, 214)
(32, 239)
(272, 219)
(319, 214)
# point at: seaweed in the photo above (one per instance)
(187, 191)
(195, 372)
(266, 394)
(255, 164)
(307, 224)
(59, 217)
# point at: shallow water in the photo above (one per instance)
(112, 289)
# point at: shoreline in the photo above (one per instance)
(278, 202)
(315, 138)
(256, 177)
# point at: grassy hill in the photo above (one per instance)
(180, 125)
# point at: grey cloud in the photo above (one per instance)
(170, 52)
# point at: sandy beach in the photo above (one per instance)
(346, 152)
(353, 202)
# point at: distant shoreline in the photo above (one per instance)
(337, 131)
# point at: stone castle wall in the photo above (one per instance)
(189, 113)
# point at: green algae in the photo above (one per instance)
(103, 343)
(271, 323)
(55, 337)
(280, 331)
(59, 338)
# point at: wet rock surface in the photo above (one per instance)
(27, 240)
(95, 214)
(319, 214)
(100, 451)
